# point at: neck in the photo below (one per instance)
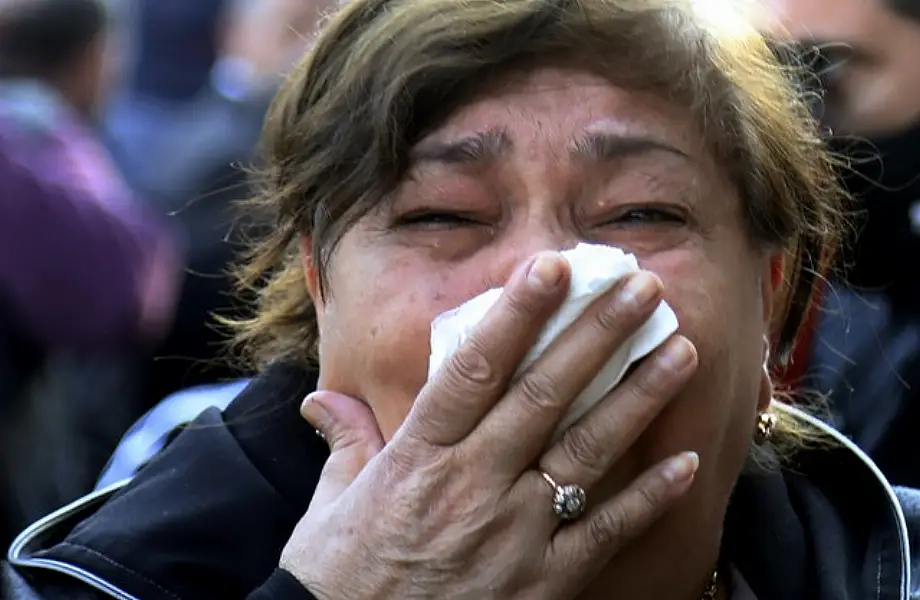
(657, 566)
(605, 588)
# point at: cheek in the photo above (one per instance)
(719, 309)
(718, 306)
(374, 339)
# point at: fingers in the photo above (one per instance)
(471, 381)
(533, 407)
(589, 543)
(591, 446)
(350, 429)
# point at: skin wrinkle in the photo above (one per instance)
(727, 79)
(485, 168)
(711, 280)
(384, 76)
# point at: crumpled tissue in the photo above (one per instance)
(595, 269)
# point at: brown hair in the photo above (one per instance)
(384, 72)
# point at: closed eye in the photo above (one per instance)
(433, 219)
(646, 215)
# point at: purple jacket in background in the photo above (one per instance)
(83, 264)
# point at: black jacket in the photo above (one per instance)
(866, 353)
(209, 516)
(866, 358)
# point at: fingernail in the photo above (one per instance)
(677, 354)
(682, 467)
(640, 289)
(546, 272)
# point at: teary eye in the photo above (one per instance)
(646, 214)
(437, 219)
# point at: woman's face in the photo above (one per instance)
(544, 160)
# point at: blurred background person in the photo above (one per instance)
(200, 156)
(865, 350)
(198, 80)
(87, 272)
(170, 48)
(203, 177)
(153, 117)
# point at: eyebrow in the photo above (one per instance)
(479, 147)
(609, 147)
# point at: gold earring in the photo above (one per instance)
(766, 423)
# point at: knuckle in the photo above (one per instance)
(650, 384)
(471, 365)
(538, 392)
(519, 303)
(648, 501)
(618, 524)
(582, 447)
(605, 529)
(616, 318)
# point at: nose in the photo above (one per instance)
(524, 243)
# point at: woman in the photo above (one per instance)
(423, 153)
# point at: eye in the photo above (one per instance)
(437, 219)
(644, 215)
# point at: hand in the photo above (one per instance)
(453, 507)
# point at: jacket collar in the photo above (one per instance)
(831, 527)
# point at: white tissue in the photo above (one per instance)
(595, 269)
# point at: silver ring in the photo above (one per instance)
(569, 501)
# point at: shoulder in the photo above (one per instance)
(206, 518)
(152, 432)
(879, 522)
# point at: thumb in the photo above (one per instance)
(350, 429)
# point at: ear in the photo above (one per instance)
(311, 274)
(770, 288)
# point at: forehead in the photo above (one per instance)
(557, 105)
